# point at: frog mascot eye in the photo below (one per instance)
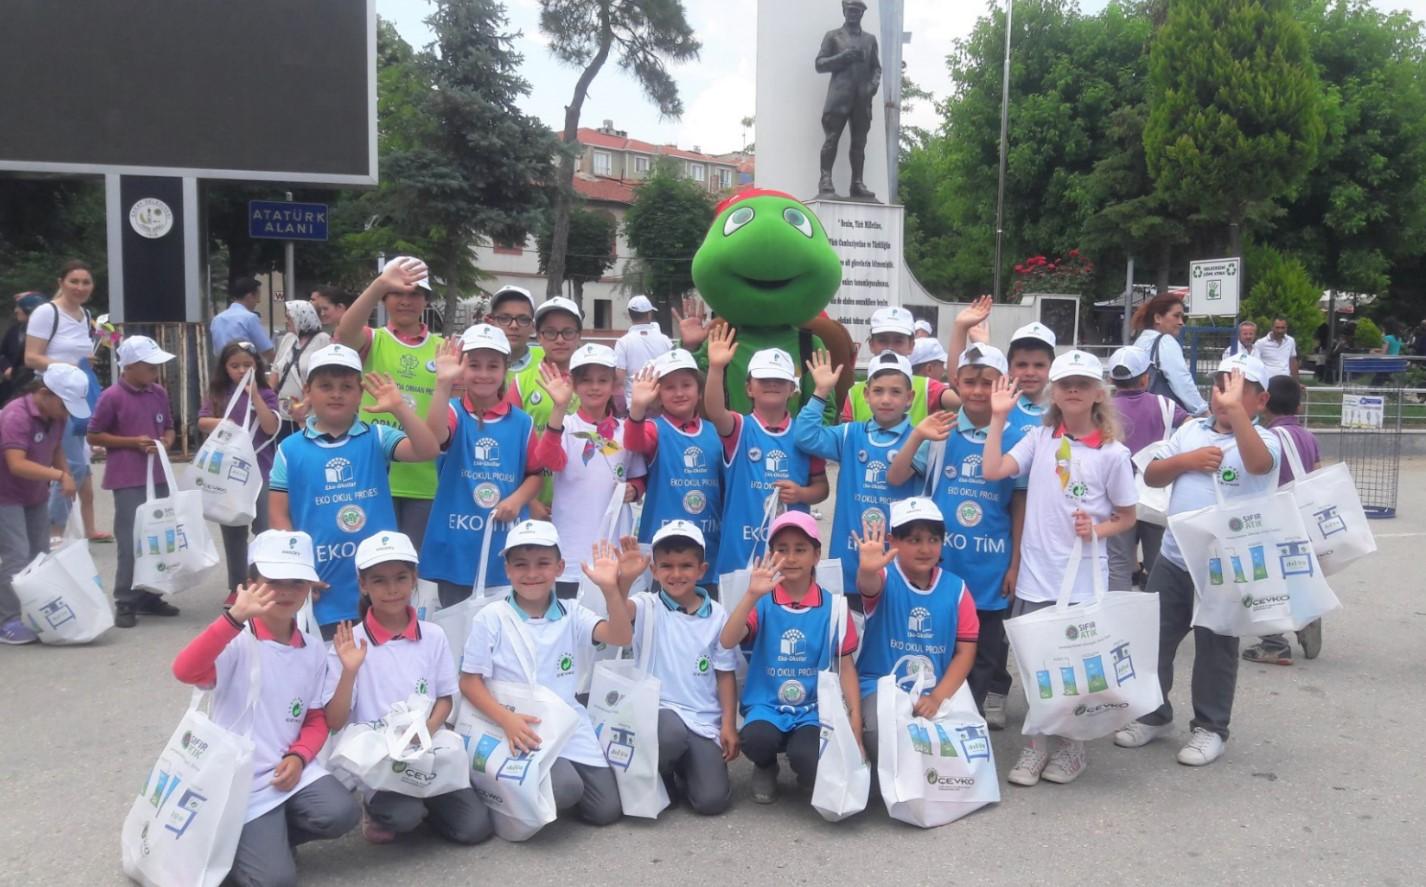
(798, 219)
(737, 219)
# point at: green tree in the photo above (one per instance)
(648, 34)
(592, 239)
(43, 224)
(665, 226)
(1235, 109)
(1280, 286)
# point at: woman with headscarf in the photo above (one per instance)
(303, 338)
(13, 373)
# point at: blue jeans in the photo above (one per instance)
(76, 453)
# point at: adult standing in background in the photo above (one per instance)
(1278, 351)
(304, 337)
(239, 322)
(1156, 326)
(14, 375)
(61, 331)
(331, 303)
(1247, 337)
(641, 344)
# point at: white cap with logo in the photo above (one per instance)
(1252, 368)
(69, 384)
(283, 554)
(924, 326)
(673, 361)
(905, 511)
(893, 319)
(981, 355)
(640, 305)
(509, 291)
(680, 529)
(772, 363)
(484, 336)
(383, 547)
(141, 349)
(1129, 362)
(335, 356)
(927, 351)
(1076, 363)
(888, 362)
(425, 282)
(558, 303)
(532, 532)
(591, 354)
(1034, 330)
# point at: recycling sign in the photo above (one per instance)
(1213, 287)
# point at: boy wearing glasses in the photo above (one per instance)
(512, 311)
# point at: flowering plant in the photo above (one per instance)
(1069, 273)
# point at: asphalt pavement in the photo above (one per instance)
(1320, 783)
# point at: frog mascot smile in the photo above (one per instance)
(767, 268)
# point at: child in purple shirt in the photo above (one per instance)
(1280, 416)
(131, 420)
(30, 430)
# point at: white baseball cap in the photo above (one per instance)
(532, 532)
(893, 319)
(283, 554)
(1034, 331)
(905, 511)
(383, 547)
(1076, 363)
(558, 303)
(888, 362)
(507, 291)
(69, 384)
(772, 363)
(141, 349)
(424, 283)
(673, 361)
(926, 351)
(335, 356)
(924, 326)
(680, 529)
(485, 336)
(982, 355)
(1129, 362)
(590, 354)
(1253, 368)
(641, 304)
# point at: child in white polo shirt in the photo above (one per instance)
(385, 659)
(293, 800)
(1228, 449)
(698, 695)
(558, 632)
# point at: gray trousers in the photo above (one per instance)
(1123, 549)
(411, 518)
(127, 501)
(319, 812)
(1215, 657)
(698, 760)
(235, 543)
(459, 816)
(590, 790)
(24, 534)
(870, 735)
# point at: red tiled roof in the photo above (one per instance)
(604, 190)
(597, 139)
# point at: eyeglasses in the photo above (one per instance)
(522, 321)
(569, 334)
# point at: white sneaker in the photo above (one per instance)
(1032, 763)
(1139, 734)
(1204, 747)
(995, 711)
(1067, 762)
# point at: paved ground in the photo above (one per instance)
(1320, 784)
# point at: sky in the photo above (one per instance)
(718, 89)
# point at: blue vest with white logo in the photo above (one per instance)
(1023, 420)
(482, 465)
(863, 493)
(339, 495)
(977, 513)
(762, 459)
(908, 621)
(789, 650)
(686, 483)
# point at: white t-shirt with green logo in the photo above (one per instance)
(687, 657)
(393, 671)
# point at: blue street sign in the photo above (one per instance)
(281, 220)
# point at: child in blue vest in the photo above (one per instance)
(784, 621)
(687, 483)
(864, 449)
(760, 457)
(330, 480)
(983, 544)
(919, 617)
(487, 469)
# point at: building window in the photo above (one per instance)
(698, 172)
(641, 163)
(725, 178)
(507, 248)
(603, 309)
(603, 163)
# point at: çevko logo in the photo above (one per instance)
(703, 665)
(1082, 709)
(566, 665)
(295, 710)
(936, 779)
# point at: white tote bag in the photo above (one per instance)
(516, 785)
(624, 706)
(843, 775)
(1088, 669)
(172, 545)
(1252, 565)
(225, 469)
(1154, 501)
(183, 828)
(932, 771)
(615, 522)
(1331, 510)
(733, 587)
(400, 754)
(61, 596)
(455, 620)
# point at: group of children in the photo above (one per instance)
(969, 516)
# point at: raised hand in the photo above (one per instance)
(386, 396)
(602, 568)
(450, 363)
(722, 345)
(252, 601)
(645, 391)
(1003, 396)
(692, 322)
(403, 276)
(767, 572)
(632, 561)
(975, 313)
(1230, 395)
(824, 375)
(560, 389)
(937, 426)
(349, 651)
(871, 548)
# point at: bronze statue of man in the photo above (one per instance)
(850, 55)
